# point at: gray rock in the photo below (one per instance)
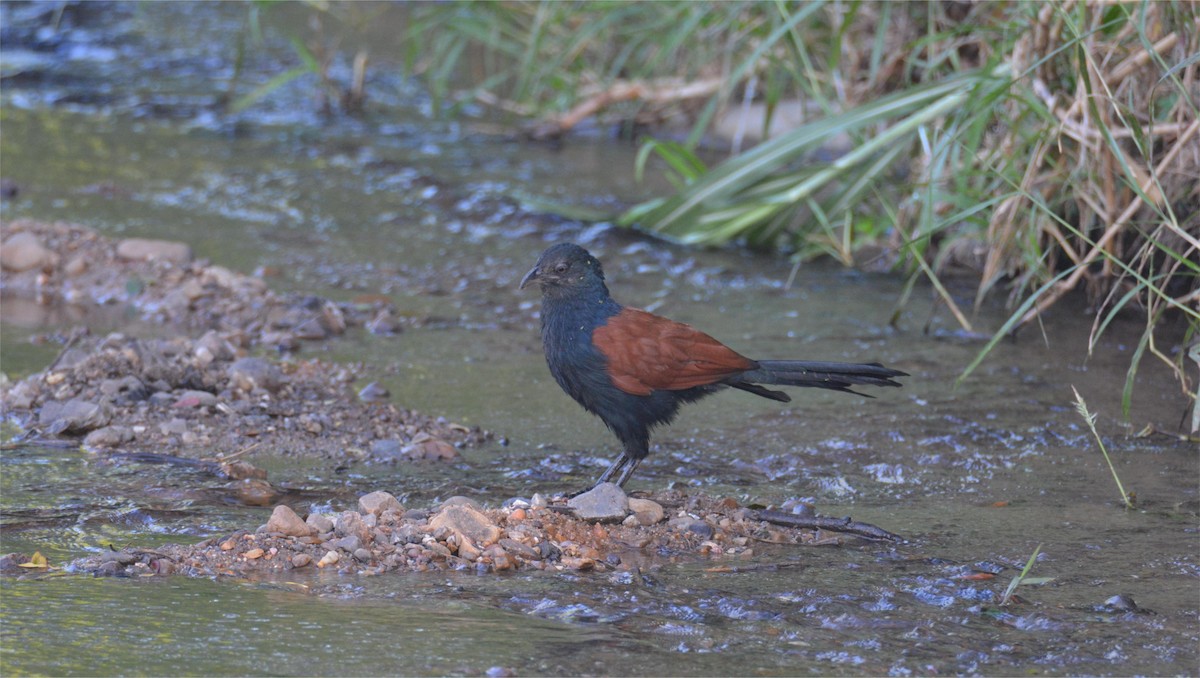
(301, 559)
(125, 385)
(518, 549)
(74, 416)
(24, 251)
(215, 346)
(248, 374)
(349, 523)
(697, 527)
(320, 523)
(376, 503)
(146, 249)
(285, 521)
(467, 523)
(349, 544)
(604, 503)
(21, 396)
(362, 555)
(175, 426)
(373, 393)
(387, 450)
(109, 436)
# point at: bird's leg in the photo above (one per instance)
(618, 463)
(629, 469)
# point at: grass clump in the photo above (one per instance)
(1043, 148)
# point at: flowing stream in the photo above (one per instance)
(106, 122)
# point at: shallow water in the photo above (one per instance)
(428, 213)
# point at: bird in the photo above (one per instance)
(634, 369)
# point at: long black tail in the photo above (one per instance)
(833, 376)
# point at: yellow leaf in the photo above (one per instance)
(37, 561)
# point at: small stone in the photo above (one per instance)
(647, 512)
(23, 252)
(605, 502)
(285, 521)
(301, 560)
(350, 523)
(254, 554)
(387, 449)
(328, 559)
(146, 249)
(468, 551)
(428, 448)
(517, 515)
(248, 374)
(76, 266)
(516, 548)
(377, 502)
(319, 522)
(174, 426)
(74, 416)
(348, 544)
(255, 492)
(467, 523)
(228, 544)
(700, 528)
(459, 500)
(501, 560)
(363, 555)
(373, 393)
(192, 399)
(109, 436)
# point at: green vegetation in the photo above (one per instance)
(1041, 147)
(1090, 419)
(1023, 579)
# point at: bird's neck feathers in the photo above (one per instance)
(581, 307)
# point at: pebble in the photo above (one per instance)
(605, 502)
(248, 374)
(387, 449)
(24, 251)
(646, 512)
(319, 522)
(190, 399)
(146, 249)
(348, 544)
(373, 393)
(285, 521)
(301, 560)
(468, 523)
(74, 416)
(429, 449)
(350, 523)
(109, 436)
(376, 503)
(459, 500)
(362, 554)
(254, 554)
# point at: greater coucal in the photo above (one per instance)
(634, 369)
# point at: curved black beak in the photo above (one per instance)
(531, 276)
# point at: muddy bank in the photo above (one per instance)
(210, 398)
(68, 264)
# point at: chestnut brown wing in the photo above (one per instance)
(647, 352)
